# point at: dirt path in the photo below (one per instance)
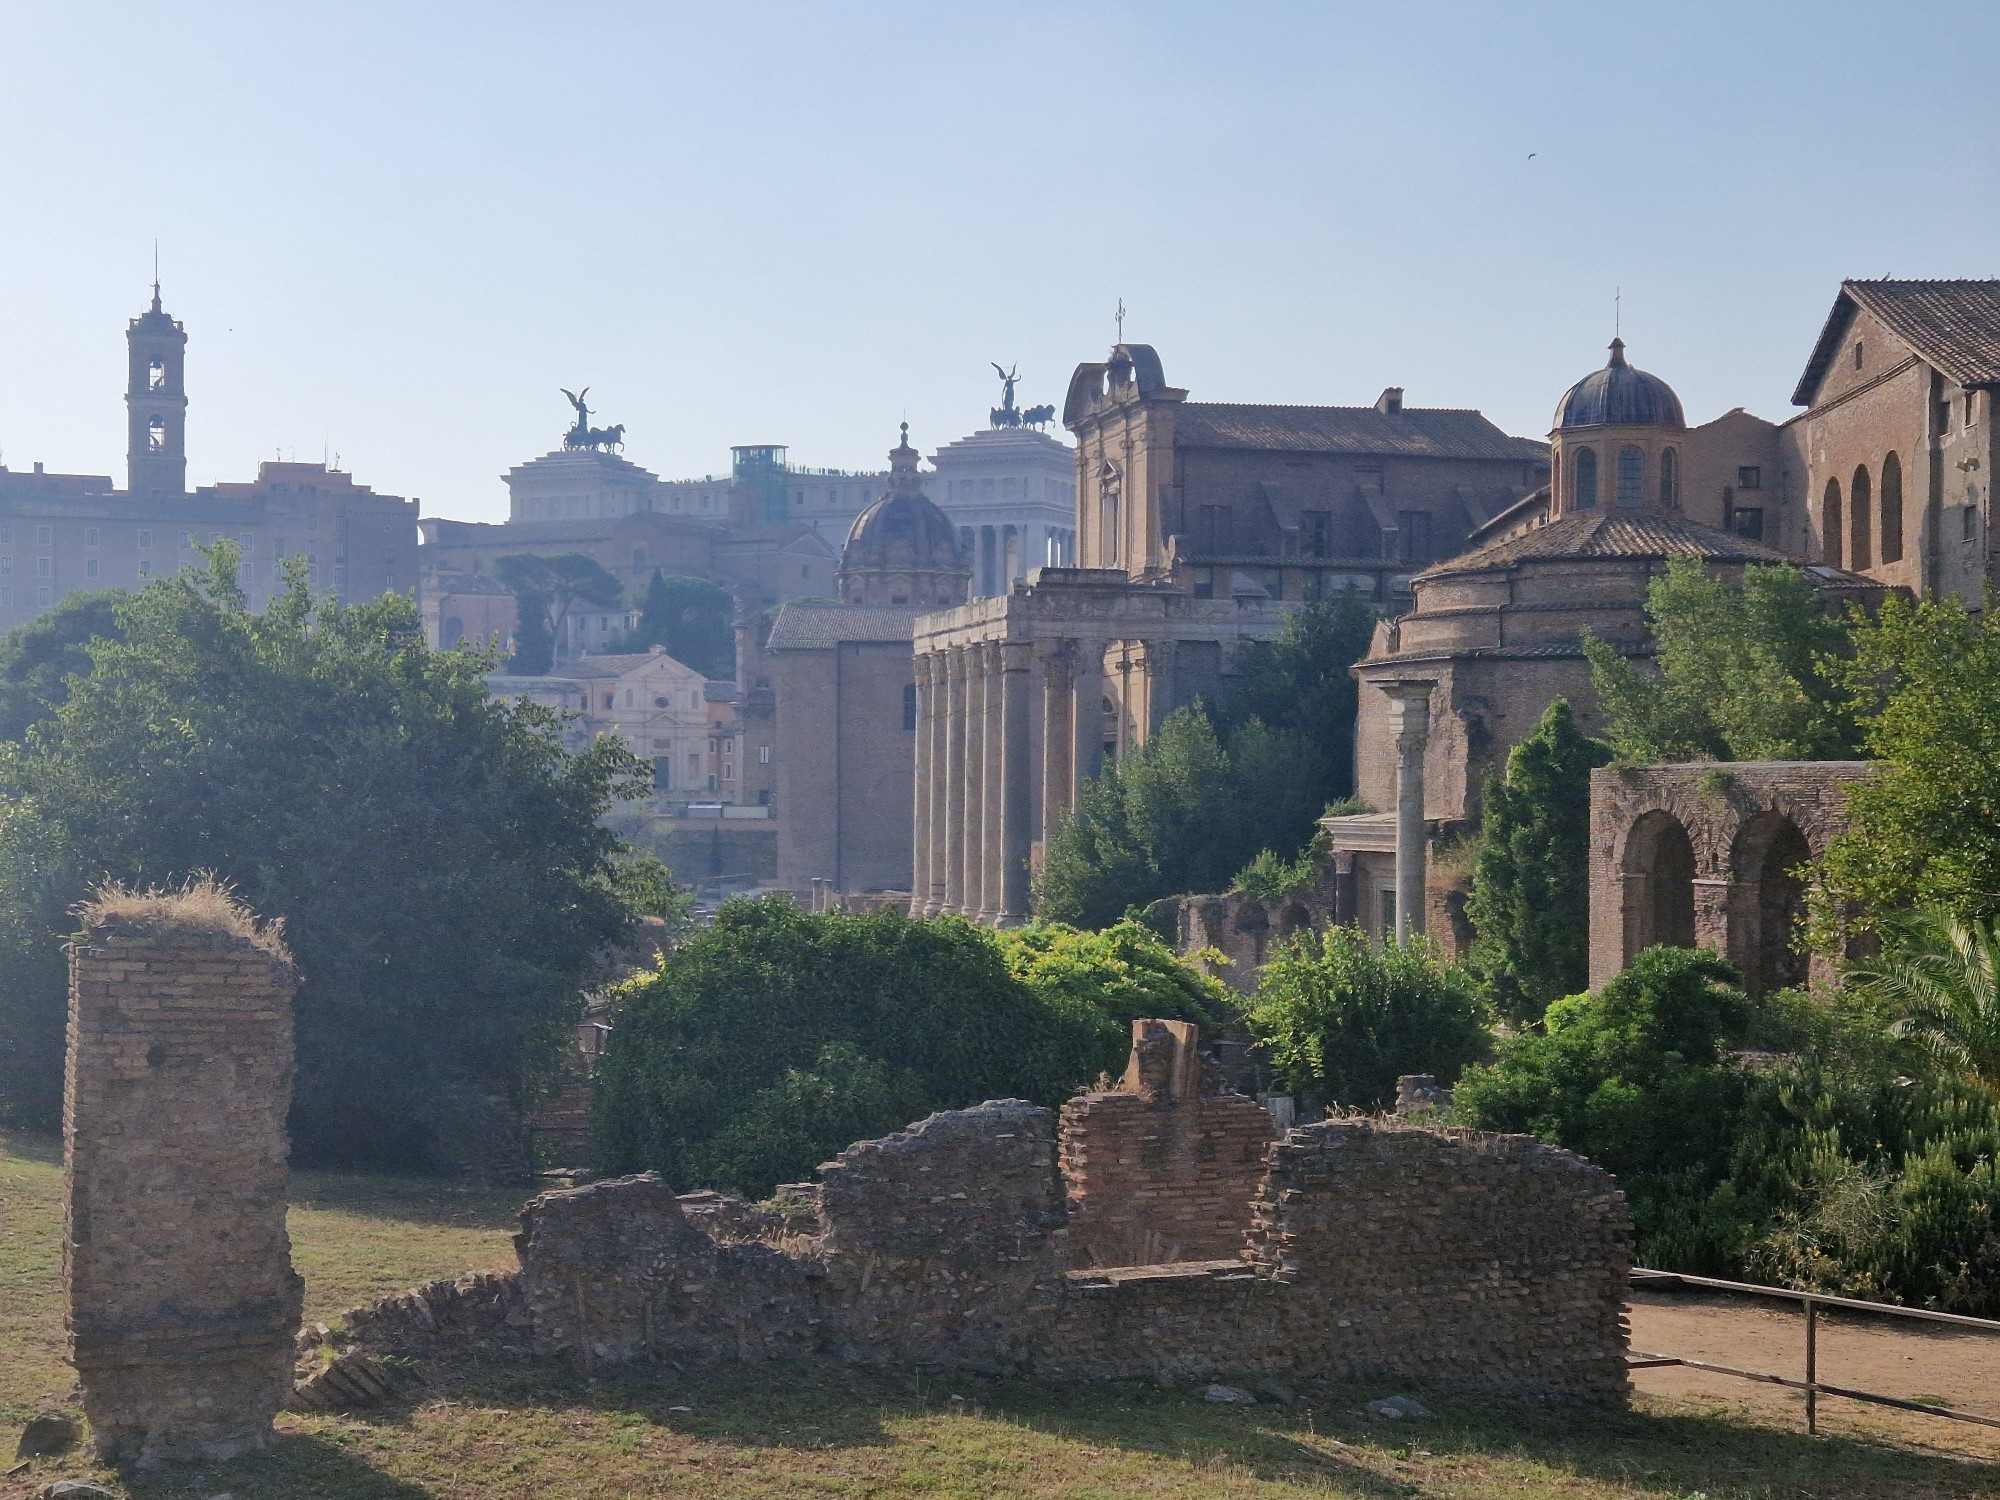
(1891, 1356)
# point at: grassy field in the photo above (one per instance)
(807, 1431)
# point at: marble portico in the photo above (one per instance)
(1019, 698)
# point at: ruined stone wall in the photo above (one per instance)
(179, 1290)
(1163, 1167)
(1449, 1260)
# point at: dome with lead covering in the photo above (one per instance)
(903, 549)
(1619, 396)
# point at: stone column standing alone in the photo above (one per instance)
(179, 1292)
(1410, 712)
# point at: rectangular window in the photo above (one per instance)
(6, 593)
(763, 755)
(6, 533)
(44, 535)
(1316, 532)
(45, 595)
(729, 747)
(729, 770)
(145, 568)
(90, 536)
(1413, 535)
(1749, 521)
(1750, 477)
(608, 697)
(187, 540)
(90, 567)
(45, 567)
(243, 541)
(6, 567)
(145, 537)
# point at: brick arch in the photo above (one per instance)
(1767, 901)
(1659, 873)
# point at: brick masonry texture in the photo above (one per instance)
(1365, 1249)
(1162, 1168)
(179, 1290)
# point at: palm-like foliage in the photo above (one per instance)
(1940, 976)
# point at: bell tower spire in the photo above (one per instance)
(155, 404)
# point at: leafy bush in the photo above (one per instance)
(1270, 877)
(1342, 1021)
(774, 1037)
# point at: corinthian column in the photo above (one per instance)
(1410, 715)
(1058, 736)
(920, 787)
(1087, 721)
(936, 713)
(972, 821)
(993, 791)
(953, 851)
(1016, 657)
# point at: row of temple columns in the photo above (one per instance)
(975, 776)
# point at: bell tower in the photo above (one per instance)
(155, 405)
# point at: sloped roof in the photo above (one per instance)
(1413, 432)
(1954, 325)
(617, 664)
(810, 627)
(1612, 533)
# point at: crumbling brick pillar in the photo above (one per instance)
(1164, 1167)
(179, 1291)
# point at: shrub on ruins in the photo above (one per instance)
(1530, 900)
(436, 855)
(1740, 672)
(774, 1037)
(1341, 1020)
(1218, 783)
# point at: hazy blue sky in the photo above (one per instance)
(394, 230)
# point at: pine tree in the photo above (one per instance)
(1530, 902)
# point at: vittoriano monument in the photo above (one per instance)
(582, 435)
(1006, 414)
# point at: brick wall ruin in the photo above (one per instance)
(178, 1285)
(1365, 1249)
(1163, 1167)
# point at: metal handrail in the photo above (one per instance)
(1645, 1279)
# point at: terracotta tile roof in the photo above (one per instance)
(1953, 325)
(814, 627)
(1413, 432)
(1613, 533)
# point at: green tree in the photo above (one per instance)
(774, 1037)
(1341, 1020)
(38, 658)
(1924, 830)
(1210, 790)
(691, 619)
(544, 589)
(438, 858)
(1740, 673)
(1530, 901)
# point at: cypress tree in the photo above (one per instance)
(1530, 901)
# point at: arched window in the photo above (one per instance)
(156, 434)
(1892, 509)
(1631, 475)
(1829, 525)
(1583, 479)
(1860, 528)
(1669, 477)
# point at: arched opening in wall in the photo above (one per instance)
(1293, 919)
(1583, 479)
(156, 434)
(1892, 509)
(1659, 884)
(1254, 924)
(1631, 475)
(454, 632)
(1669, 478)
(1861, 527)
(1832, 550)
(1770, 903)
